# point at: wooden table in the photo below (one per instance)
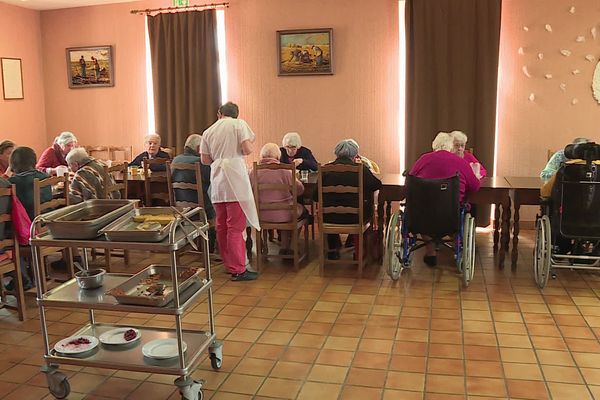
(494, 190)
(524, 191)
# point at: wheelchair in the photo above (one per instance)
(432, 208)
(568, 229)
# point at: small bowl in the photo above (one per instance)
(91, 279)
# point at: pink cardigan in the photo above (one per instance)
(276, 196)
(444, 164)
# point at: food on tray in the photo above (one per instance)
(116, 292)
(156, 289)
(129, 335)
(162, 219)
(78, 341)
(148, 226)
(188, 273)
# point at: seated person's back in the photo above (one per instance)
(22, 163)
(89, 181)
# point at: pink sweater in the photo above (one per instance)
(443, 164)
(276, 196)
(470, 158)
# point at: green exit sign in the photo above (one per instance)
(181, 3)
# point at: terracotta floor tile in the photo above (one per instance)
(486, 387)
(446, 337)
(484, 369)
(279, 325)
(290, 370)
(321, 391)
(328, 374)
(254, 366)
(408, 363)
(480, 339)
(554, 373)
(315, 328)
(300, 354)
(548, 343)
(20, 373)
(486, 353)
(553, 357)
(268, 351)
(445, 366)
(410, 348)
(280, 388)
(509, 354)
(27, 393)
(366, 377)
(517, 341)
(347, 330)
(335, 357)
(117, 388)
(405, 381)
(523, 389)
(280, 338)
(445, 350)
(522, 371)
(564, 391)
(412, 335)
(376, 345)
(360, 393)
(341, 343)
(148, 390)
(85, 383)
(445, 384)
(242, 384)
(389, 394)
(371, 360)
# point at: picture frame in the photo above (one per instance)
(12, 78)
(90, 67)
(305, 52)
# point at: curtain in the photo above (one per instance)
(452, 71)
(185, 73)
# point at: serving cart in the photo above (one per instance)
(191, 344)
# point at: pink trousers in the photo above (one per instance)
(231, 222)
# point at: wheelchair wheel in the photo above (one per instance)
(393, 246)
(468, 250)
(542, 251)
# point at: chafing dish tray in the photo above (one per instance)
(153, 286)
(86, 219)
(133, 226)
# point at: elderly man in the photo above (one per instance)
(89, 181)
(54, 156)
(224, 145)
(153, 150)
(191, 155)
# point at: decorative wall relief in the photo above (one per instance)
(596, 83)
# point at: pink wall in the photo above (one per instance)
(23, 121)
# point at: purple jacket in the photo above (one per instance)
(276, 196)
(443, 164)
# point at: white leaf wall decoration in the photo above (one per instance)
(580, 39)
(594, 32)
(526, 29)
(572, 10)
(596, 83)
(574, 101)
(575, 72)
(541, 56)
(526, 71)
(548, 76)
(548, 27)
(565, 52)
(590, 58)
(563, 87)
(531, 97)
(520, 51)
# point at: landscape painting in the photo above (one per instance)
(305, 52)
(90, 67)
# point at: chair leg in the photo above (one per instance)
(69, 255)
(126, 257)
(295, 248)
(323, 250)
(259, 249)
(359, 254)
(306, 251)
(19, 293)
(314, 219)
(107, 258)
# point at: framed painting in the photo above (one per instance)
(12, 78)
(305, 52)
(90, 67)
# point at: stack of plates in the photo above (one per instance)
(162, 349)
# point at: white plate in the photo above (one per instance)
(64, 347)
(161, 349)
(116, 336)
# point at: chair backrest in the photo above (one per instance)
(99, 152)
(7, 241)
(169, 150)
(121, 153)
(258, 188)
(156, 182)
(112, 185)
(349, 195)
(193, 189)
(60, 194)
(432, 205)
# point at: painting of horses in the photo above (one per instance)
(305, 52)
(90, 67)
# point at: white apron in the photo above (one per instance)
(235, 172)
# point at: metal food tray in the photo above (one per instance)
(125, 229)
(73, 222)
(132, 288)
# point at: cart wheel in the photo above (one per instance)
(215, 362)
(393, 247)
(198, 396)
(542, 252)
(468, 250)
(215, 351)
(189, 388)
(58, 384)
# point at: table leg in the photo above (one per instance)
(380, 227)
(515, 250)
(249, 243)
(496, 226)
(506, 237)
(504, 233)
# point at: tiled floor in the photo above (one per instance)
(299, 336)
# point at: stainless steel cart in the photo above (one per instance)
(130, 358)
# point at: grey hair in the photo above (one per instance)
(443, 141)
(193, 141)
(77, 156)
(270, 150)
(65, 138)
(459, 136)
(346, 148)
(292, 139)
(151, 136)
(580, 140)
(229, 109)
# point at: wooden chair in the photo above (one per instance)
(359, 229)
(121, 153)
(294, 225)
(171, 151)
(99, 152)
(156, 183)
(59, 200)
(12, 264)
(196, 187)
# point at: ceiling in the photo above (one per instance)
(55, 4)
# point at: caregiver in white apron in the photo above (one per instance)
(224, 145)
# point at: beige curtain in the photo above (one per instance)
(185, 73)
(452, 70)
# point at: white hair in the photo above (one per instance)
(292, 139)
(443, 141)
(77, 156)
(580, 140)
(270, 150)
(65, 138)
(459, 136)
(193, 141)
(151, 136)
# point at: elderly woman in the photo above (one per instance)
(6, 148)
(346, 152)
(557, 159)
(89, 181)
(293, 151)
(459, 142)
(153, 150)
(269, 154)
(54, 156)
(443, 163)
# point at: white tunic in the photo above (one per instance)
(229, 180)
